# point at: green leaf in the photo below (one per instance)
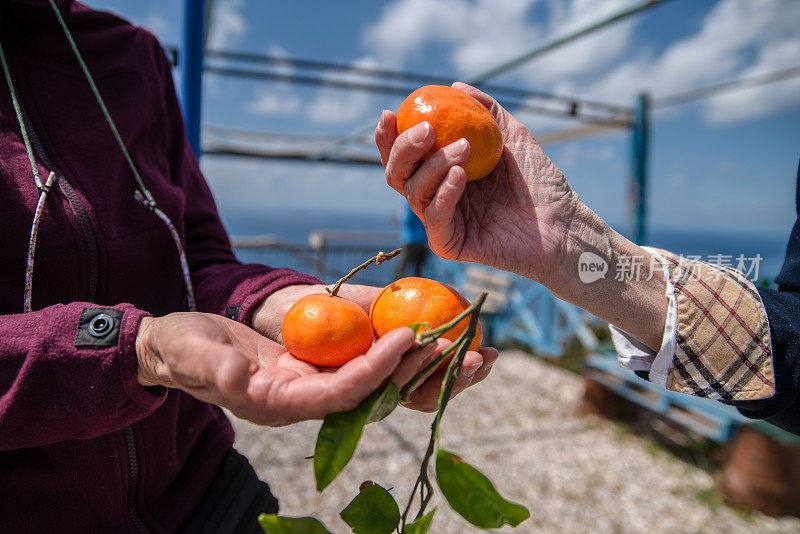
(421, 525)
(372, 511)
(473, 496)
(340, 432)
(275, 524)
(385, 403)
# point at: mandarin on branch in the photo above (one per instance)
(326, 330)
(420, 300)
(454, 114)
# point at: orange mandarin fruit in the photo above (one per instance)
(420, 300)
(454, 114)
(325, 330)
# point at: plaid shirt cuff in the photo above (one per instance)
(723, 348)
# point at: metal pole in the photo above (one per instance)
(638, 188)
(539, 50)
(192, 69)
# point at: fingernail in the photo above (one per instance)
(382, 120)
(456, 148)
(469, 371)
(418, 133)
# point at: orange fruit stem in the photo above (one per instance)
(377, 259)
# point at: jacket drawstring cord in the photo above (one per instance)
(44, 189)
(143, 193)
(37, 217)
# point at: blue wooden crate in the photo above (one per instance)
(706, 417)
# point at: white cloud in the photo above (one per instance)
(282, 67)
(407, 26)
(276, 98)
(484, 33)
(586, 56)
(589, 56)
(336, 106)
(228, 24)
(279, 100)
(328, 105)
(736, 38)
(763, 100)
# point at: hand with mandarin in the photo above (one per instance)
(268, 318)
(522, 216)
(517, 218)
(224, 362)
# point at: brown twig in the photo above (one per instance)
(377, 259)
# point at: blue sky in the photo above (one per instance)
(726, 163)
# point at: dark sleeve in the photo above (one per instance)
(783, 313)
(220, 281)
(782, 409)
(67, 374)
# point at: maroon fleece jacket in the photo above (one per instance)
(83, 447)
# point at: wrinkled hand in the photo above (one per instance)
(476, 367)
(223, 362)
(268, 315)
(517, 218)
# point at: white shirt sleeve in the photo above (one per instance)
(635, 355)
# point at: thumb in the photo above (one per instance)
(445, 230)
(362, 375)
(212, 371)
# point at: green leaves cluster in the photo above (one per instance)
(372, 511)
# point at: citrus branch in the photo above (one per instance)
(377, 259)
(430, 336)
(451, 376)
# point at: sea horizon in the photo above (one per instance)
(294, 226)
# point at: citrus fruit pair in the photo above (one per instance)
(454, 114)
(329, 331)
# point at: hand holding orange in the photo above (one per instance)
(454, 114)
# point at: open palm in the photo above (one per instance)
(228, 364)
(517, 218)
(224, 362)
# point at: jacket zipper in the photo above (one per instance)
(75, 203)
(82, 216)
(133, 480)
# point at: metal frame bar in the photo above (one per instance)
(560, 41)
(194, 12)
(640, 137)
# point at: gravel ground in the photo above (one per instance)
(520, 427)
